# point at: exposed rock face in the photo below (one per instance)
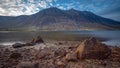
(71, 56)
(92, 49)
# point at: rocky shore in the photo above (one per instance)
(89, 53)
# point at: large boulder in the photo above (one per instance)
(93, 49)
(17, 45)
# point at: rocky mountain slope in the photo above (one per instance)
(56, 19)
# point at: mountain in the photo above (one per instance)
(56, 19)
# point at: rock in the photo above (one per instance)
(27, 65)
(60, 63)
(60, 52)
(93, 49)
(115, 56)
(15, 56)
(46, 65)
(33, 40)
(71, 56)
(60, 43)
(17, 45)
(37, 40)
(41, 54)
(29, 44)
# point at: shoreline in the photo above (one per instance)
(108, 43)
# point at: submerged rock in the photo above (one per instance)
(93, 49)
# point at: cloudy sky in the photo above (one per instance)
(105, 8)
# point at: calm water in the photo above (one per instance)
(107, 37)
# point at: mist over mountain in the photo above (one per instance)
(56, 19)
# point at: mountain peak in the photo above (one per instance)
(72, 9)
(52, 8)
(52, 11)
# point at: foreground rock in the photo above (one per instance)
(18, 45)
(15, 56)
(61, 64)
(115, 56)
(29, 44)
(93, 49)
(27, 64)
(33, 42)
(41, 54)
(37, 40)
(72, 56)
(60, 52)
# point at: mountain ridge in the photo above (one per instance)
(56, 19)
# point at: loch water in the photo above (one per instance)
(107, 36)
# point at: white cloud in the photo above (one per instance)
(43, 4)
(58, 5)
(55, 0)
(49, 0)
(20, 7)
(51, 4)
(2, 10)
(61, 7)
